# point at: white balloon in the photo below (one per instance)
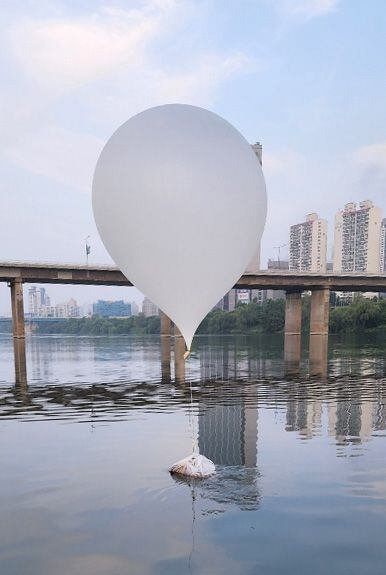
(179, 201)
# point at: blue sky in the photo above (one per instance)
(307, 78)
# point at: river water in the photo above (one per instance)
(85, 447)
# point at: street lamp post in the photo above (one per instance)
(88, 249)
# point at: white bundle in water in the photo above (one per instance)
(195, 465)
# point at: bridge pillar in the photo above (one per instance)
(17, 308)
(318, 352)
(166, 324)
(292, 331)
(18, 329)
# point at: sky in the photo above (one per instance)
(306, 78)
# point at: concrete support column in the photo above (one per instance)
(292, 331)
(17, 308)
(166, 325)
(320, 309)
(18, 331)
(318, 352)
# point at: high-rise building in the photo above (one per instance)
(254, 264)
(308, 245)
(382, 254)
(228, 302)
(32, 307)
(134, 308)
(357, 238)
(117, 308)
(149, 308)
(37, 300)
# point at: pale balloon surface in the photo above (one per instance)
(180, 203)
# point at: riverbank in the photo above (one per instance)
(362, 314)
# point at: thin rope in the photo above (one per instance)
(192, 420)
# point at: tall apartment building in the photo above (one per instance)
(382, 253)
(254, 264)
(229, 301)
(308, 245)
(357, 238)
(37, 299)
(39, 305)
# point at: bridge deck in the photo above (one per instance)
(265, 279)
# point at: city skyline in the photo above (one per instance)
(40, 304)
(316, 245)
(279, 59)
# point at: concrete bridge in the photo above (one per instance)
(293, 283)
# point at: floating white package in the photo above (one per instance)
(195, 465)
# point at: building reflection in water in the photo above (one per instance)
(227, 433)
(354, 410)
(227, 429)
(304, 416)
(165, 358)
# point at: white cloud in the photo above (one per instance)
(369, 171)
(67, 53)
(373, 155)
(102, 68)
(199, 84)
(307, 8)
(61, 155)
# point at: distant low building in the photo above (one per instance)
(274, 294)
(134, 308)
(67, 309)
(149, 309)
(278, 265)
(86, 310)
(243, 295)
(228, 302)
(118, 308)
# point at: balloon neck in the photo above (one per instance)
(187, 354)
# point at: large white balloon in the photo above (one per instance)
(179, 201)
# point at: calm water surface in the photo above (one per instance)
(85, 447)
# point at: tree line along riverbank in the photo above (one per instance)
(246, 318)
